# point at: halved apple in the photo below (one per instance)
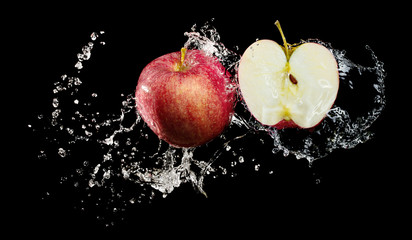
(289, 86)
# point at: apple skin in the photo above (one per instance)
(286, 124)
(187, 106)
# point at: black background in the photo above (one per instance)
(360, 188)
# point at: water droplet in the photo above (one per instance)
(70, 131)
(125, 173)
(94, 36)
(107, 157)
(241, 159)
(62, 153)
(78, 65)
(77, 81)
(56, 113)
(91, 183)
(55, 102)
(106, 174)
(285, 152)
(89, 134)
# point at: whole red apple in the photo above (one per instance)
(186, 98)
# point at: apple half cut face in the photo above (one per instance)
(282, 91)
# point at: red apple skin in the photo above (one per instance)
(187, 107)
(291, 124)
(286, 124)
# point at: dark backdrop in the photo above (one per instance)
(359, 190)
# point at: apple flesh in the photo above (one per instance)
(288, 87)
(186, 98)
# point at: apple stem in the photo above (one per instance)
(284, 39)
(182, 58)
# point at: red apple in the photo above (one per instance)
(289, 86)
(186, 98)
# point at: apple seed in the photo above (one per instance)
(293, 79)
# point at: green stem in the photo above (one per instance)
(182, 58)
(284, 39)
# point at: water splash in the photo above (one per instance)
(207, 39)
(115, 150)
(341, 128)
